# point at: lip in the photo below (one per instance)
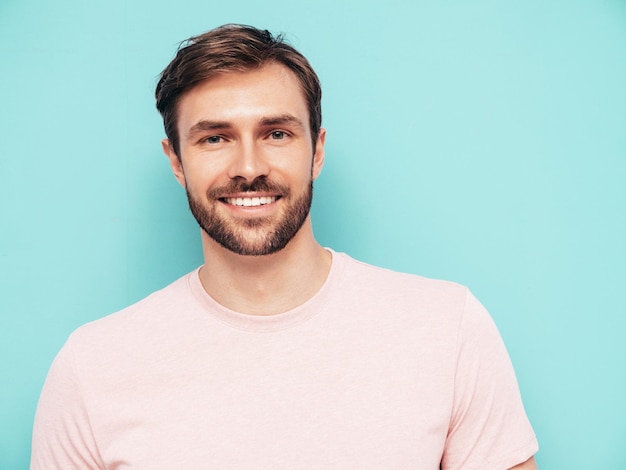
(250, 194)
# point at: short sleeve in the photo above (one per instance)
(488, 427)
(62, 434)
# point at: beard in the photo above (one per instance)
(252, 236)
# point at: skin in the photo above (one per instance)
(530, 464)
(240, 127)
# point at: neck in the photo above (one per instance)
(265, 285)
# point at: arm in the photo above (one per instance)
(62, 435)
(530, 464)
(488, 422)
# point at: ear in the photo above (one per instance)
(318, 156)
(175, 162)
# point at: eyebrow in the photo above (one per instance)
(206, 125)
(281, 120)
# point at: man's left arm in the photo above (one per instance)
(530, 464)
(489, 427)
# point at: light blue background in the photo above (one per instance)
(478, 141)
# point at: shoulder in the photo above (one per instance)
(400, 288)
(363, 270)
(150, 316)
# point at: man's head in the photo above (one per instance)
(231, 48)
(242, 115)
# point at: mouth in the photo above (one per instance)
(250, 201)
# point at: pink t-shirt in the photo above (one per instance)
(379, 370)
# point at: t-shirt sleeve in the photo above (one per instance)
(62, 434)
(488, 427)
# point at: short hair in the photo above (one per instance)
(231, 48)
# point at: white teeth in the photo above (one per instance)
(250, 201)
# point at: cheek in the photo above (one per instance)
(202, 176)
(196, 185)
(295, 169)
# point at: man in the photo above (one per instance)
(276, 353)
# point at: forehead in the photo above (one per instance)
(244, 97)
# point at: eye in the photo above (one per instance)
(278, 135)
(213, 139)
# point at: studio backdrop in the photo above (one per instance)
(482, 142)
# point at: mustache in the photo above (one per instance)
(259, 184)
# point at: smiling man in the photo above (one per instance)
(276, 353)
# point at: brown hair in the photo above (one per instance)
(231, 48)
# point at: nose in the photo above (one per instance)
(248, 162)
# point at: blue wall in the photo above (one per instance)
(478, 141)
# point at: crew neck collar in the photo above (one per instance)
(275, 322)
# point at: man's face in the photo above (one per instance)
(246, 158)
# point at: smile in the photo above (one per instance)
(250, 201)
